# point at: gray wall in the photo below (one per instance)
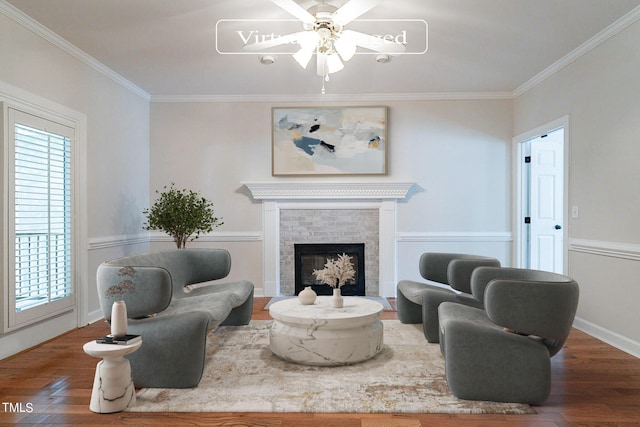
(458, 153)
(117, 156)
(600, 92)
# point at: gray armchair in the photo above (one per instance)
(172, 315)
(418, 302)
(502, 353)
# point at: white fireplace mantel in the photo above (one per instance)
(328, 190)
(382, 196)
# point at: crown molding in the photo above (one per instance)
(595, 41)
(315, 98)
(19, 17)
(328, 190)
(35, 27)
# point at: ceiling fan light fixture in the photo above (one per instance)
(325, 36)
(303, 56)
(346, 48)
(334, 64)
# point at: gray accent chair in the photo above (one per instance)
(418, 302)
(171, 314)
(502, 353)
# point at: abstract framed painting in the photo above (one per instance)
(329, 141)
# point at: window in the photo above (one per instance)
(40, 218)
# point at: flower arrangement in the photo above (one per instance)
(336, 272)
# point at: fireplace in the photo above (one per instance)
(313, 256)
(329, 226)
(296, 212)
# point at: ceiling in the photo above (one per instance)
(168, 47)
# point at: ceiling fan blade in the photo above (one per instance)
(296, 10)
(377, 44)
(275, 41)
(353, 9)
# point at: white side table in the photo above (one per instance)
(113, 388)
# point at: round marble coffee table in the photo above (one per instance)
(319, 334)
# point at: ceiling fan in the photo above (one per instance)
(325, 35)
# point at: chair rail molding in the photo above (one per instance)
(458, 236)
(610, 249)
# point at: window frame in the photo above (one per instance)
(33, 314)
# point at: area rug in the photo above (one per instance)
(242, 375)
(382, 300)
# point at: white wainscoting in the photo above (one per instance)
(245, 248)
(411, 245)
(613, 251)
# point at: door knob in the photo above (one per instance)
(558, 227)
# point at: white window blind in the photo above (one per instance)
(41, 220)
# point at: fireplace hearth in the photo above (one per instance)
(313, 256)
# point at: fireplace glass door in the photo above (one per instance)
(310, 257)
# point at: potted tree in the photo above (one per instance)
(182, 214)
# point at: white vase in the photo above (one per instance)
(307, 296)
(336, 299)
(118, 319)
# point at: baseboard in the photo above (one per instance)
(95, 316)
(618, 341)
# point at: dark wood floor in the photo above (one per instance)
(594, 384)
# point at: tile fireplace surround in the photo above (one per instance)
(380, 197)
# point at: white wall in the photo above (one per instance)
(458, 152)
(601, 94)
(117, 154)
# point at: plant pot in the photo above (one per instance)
(336, 300)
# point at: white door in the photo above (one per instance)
(546, 203)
